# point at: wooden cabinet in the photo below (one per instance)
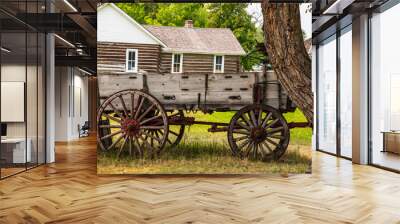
(391, 142)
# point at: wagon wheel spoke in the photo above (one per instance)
(146, 112)
(115, 109)
(112, 118)
(132, 105)
(262, 150)
(174, 115)
(243, 144)
(272, 142)
(148, 144)
(248, 149)
(267, 146)
(274, 130)
(260, 112)
(280, 137)
(124, 106)
(272, 123)
(139, 107)
(115, 142)
(253, 118)
(266, 119)
(255, 150)
(150, 119)
(152, 137)
(240, 138)
(243, 126)
(152, 140)
(247, 121)
(152, 127)
(109, 126)
(157, 133)
(174, 133)
(243, 132)
(111, 135)
(122, 146)
(130, 146)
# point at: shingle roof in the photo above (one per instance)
(198, 40)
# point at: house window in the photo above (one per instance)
(218, 64)
(177, 60)
(131, 60)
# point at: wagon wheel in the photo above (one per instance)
(175, 133)
(132, 120)
(259, 132)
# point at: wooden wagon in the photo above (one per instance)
(138, 110)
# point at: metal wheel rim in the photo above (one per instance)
(264, 137)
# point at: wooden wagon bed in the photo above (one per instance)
(207, 92)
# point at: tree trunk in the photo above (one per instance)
(287, 54)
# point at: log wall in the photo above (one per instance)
(111, 57)
(199, 63)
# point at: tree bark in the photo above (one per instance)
(286, 51)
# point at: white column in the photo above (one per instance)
(360, 90)
(50, 101)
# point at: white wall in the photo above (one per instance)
(70, 83)
(114, 26)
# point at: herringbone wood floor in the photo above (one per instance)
(69, 191)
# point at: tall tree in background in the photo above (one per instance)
(235, 17)
(287, 54)
(216, 15)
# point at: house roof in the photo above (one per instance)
(197, 40)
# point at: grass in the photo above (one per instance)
(202, 152)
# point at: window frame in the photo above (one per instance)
(180, 63)
(127, 60)
(222, 64)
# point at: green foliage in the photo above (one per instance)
(215, 15)
(235, 17)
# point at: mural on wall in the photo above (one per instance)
(192, 93)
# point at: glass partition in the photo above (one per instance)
(326, 95)
(385, 89)
(13, 86)
(22, 77)
(346, 92)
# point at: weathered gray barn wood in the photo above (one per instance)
(199, 91)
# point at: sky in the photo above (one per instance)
(255, 10)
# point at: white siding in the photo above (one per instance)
(114, 26)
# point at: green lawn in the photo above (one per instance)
(204, 152)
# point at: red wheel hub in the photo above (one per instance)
(258, 134)
(131, 127)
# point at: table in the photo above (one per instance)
(13, 150)
(391, 141)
